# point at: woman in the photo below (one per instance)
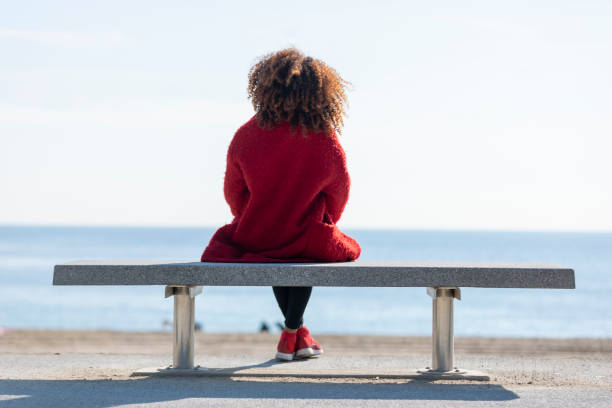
(286, 182)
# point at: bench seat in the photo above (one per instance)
(346, 274)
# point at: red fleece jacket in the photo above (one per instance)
(286, 193)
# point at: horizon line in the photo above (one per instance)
(353, 228)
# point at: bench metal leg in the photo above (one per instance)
(183, 326)
(442, 328)
(443, 342)
(183, 339)
(183, 334)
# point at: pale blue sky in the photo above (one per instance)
(474, 115)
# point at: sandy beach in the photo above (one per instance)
(119, 342)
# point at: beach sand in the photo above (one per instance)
(107, 341)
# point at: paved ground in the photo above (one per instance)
(229, 392)
(62, 370)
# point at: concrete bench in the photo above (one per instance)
(184, 280)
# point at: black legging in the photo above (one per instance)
(292, 301)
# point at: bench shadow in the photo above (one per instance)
(243, 371)
(235, 370)
(155, 389)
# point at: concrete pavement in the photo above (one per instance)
(104, 380)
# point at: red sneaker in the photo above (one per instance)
(286, 346)
(306, 345)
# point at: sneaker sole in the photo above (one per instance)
(305, 352)
(308, 352)
(284, 356)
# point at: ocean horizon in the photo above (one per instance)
(28, 253)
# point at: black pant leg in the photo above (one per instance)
(281, 293)
(298, 300)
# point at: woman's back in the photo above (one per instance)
(286, 175)
(286, 190)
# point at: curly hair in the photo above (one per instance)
(306, 92)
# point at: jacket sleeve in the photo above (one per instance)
(235, 188)
(337, 190)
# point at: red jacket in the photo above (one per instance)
(286, 193)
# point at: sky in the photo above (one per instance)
(463, 115)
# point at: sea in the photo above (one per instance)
(29, 300)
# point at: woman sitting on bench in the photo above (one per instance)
(286, 182)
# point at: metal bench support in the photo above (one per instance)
(443, 341)
(183, 331)
(442, 327)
